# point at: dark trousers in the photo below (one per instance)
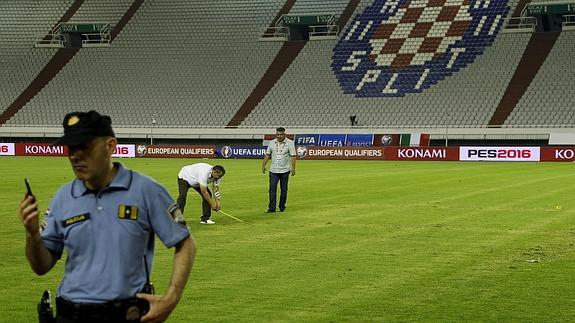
(283, 179)
(183, 187)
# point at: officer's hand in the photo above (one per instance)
(292, 172)
(263, 170)
(160, 307)
(29, 215)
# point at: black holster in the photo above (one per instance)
(45, 312)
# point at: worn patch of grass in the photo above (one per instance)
(360, 241)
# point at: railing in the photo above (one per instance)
(96, 40)
(50, 40)
(275, 34)
(316, 32)
(520, 24)
(569, 22)
(53, 39)
(525, 129)
(329, 31)
(280, 22)
(56, 39)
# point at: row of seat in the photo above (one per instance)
(195, 78)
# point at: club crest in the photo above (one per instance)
(397, 47)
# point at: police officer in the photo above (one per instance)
(106, 219)
(282, 153)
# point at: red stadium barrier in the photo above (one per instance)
(484, 153)
(558, 154)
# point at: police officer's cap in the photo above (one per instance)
(81, 127)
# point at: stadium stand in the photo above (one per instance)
(308, 7)
(183, 68)
(195, 64)
(549, 99)
(22, 22)
(101, 11)
(467, 98)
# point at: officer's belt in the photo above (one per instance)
(126, 310)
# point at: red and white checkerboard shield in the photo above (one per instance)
(404, 46)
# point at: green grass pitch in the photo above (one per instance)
(360, 241)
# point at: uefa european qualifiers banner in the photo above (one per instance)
(331, 153)
(175, 151)
(51, 150)
(243, 152)
(552, 154)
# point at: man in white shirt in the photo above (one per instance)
(282, 153)
(198, 176)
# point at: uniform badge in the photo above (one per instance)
(128, 212)
(43, 225)
(76, 219)
(73, 120)
(397, 47)
(44, 222)
(176, 214)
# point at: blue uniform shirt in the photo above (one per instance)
(107, 234)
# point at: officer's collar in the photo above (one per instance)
(122, 180)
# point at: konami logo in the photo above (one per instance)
(423, 153)
(565, 154)
(43, 150)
